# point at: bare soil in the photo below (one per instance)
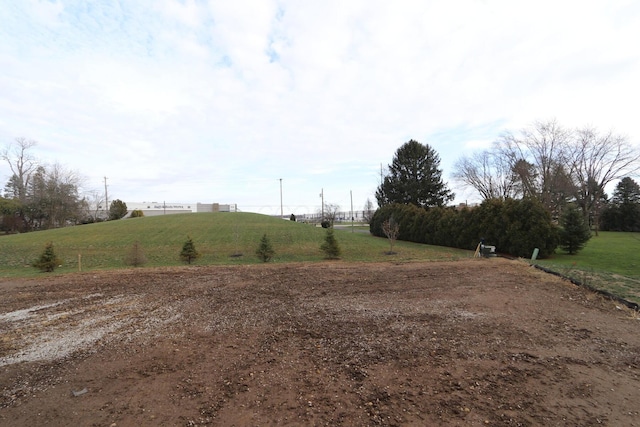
(478, 342)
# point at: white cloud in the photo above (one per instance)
(219, 100)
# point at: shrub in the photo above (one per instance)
(189, 253)
(292, 217)
(265, 251)
(330, 245)
(48, 260)
(325, 223)
(136, 213)
(135, 257)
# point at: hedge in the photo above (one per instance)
(515, 227)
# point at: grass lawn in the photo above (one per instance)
(609, 261)
(217, 236)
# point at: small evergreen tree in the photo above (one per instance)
(292, 217)
(265, 251)
(135, 257)
(48, 260)
(575, 232)
(189, 253)
(330, 246)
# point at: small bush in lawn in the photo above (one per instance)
(135, 257)
(325, 223)
(265, 251)
(136, 213)
(330, 246)
(48, 260)
(189, 253)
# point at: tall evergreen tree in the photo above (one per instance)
(414, 178)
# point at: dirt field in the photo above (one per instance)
(479, 342)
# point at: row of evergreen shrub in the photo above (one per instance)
(515, 227)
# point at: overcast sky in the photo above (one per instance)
(216, 101)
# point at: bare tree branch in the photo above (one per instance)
(599, 159)
(22, 164)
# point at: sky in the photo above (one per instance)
(269, 103)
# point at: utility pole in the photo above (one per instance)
(281, 211)
(322, 207)
(106, 197)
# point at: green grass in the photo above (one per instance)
(217, 236)
(609, 261)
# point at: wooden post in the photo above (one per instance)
(477, 252)
(79, 262)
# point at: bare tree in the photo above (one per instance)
(391, 229)
(490, 174)
(368, 211)
(62, 199)
(599, 159)
(22, 164)
(539, 156)
(331, 212)
(92, 205)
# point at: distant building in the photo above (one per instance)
(166, 208)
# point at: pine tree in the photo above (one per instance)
(575, 232)
(414, 178)
(48, 260)
(189, 253)
(117, 209)
(623, 212)
(265, 251)
(330, 246)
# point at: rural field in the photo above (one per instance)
(485, 342)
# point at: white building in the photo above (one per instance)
(165, 208)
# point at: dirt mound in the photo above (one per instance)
(479, 342)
